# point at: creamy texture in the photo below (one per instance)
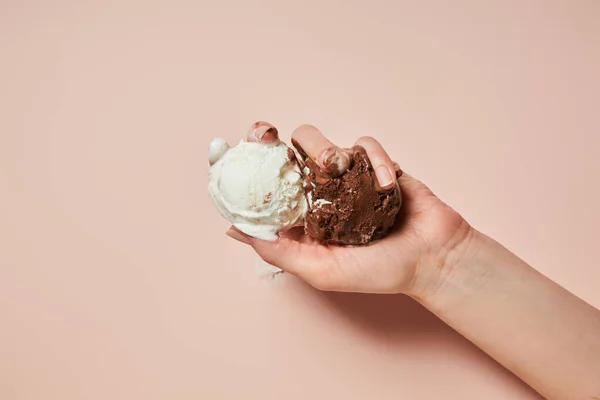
(257, 187)
(217, 149)
(351, 208)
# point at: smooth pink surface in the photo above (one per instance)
(116, 280)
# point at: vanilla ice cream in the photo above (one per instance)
(258, 187)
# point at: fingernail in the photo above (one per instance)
(334, 161)
(263, 131)
(237, 235)
(384, 176)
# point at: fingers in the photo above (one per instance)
(311, 143)
(303, 260)
(263, 132)
(382, 164)
(335, 161)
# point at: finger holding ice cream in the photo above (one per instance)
(263, 132)
(312, 144)
(383, 166)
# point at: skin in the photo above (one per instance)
(535, 328)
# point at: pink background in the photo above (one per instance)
(116, 281)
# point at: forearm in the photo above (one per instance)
(535, 328)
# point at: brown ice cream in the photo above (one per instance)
(349, 209)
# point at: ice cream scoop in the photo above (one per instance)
(349, 208)
(257, 186)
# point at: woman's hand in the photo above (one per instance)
(508, 309)
(408, 260)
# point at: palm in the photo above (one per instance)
(424, 232)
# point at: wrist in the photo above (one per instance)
(438, 275)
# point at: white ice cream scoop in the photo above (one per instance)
(257, 186)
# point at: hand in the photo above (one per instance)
(409, 260)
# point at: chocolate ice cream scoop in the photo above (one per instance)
(348, 208)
